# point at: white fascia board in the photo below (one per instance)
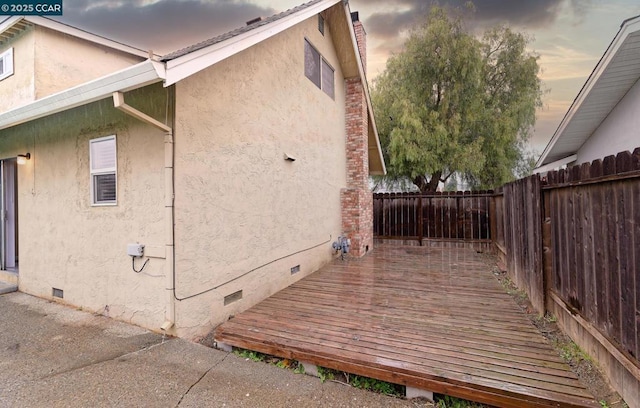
(627, 28)
(136, 76)
(8, 23)
(187, 65)
(365, 86)
(555, 165)
(85, 35)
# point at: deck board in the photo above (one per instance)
(432, 318)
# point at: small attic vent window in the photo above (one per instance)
(321, 24)
(6, 64)
(255, 20)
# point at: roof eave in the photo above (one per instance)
(10, 22)
(136, 76)
(187, 65)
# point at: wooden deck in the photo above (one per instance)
(431, 318)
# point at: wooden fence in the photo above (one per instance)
(442, 216)
(571, 240)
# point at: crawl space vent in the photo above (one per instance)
(58, 293)
(295, 269)
(234, 297)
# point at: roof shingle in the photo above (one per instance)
(236, 32)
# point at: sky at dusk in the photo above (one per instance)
(570, 36)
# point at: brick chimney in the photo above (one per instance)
(361, 37)
(356, 198)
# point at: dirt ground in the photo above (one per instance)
(586, 369)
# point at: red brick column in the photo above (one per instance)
(356, 199)
(361, 38)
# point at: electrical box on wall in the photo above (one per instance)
(135, 249)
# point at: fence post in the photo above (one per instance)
(420, 220)
(493, 227)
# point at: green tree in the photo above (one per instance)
(453, 103)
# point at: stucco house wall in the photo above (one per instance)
(239, 203)
(617, 133)
(65, 242)
(46, 61)
(19, 88)
(63, 61)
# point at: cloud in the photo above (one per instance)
(160, 25)
(561, 62)
(528, 14)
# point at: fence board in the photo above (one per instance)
(523, 237)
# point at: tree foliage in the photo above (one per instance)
(453, 103)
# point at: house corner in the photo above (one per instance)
(356, 198)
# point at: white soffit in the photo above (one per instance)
(187, 65)
(136, 76)
(614, 75)
(9, 27)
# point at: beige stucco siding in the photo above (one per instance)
(239, 204)
(63, 61)
(19, 88)
(67, 243)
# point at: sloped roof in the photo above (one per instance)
(186, 62)
(614, 75)
(12, 26)
(237, 31)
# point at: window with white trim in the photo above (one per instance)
(103, 168)
(318, 70)
(6, 64)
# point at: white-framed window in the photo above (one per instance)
(6, 63)
(318, 70)
(103, 165)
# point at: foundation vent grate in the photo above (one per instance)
(58, 293)
(234, 297)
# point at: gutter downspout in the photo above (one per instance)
(118, 103)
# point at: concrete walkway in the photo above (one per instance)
(7, 287)
(55, 356)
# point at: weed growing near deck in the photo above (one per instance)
(445, 401)
(571, 352)
(326, 374)
(250, 355)
(371, 384)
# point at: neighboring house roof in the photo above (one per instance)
(614, 75)
(188, 61)
(13, 26)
